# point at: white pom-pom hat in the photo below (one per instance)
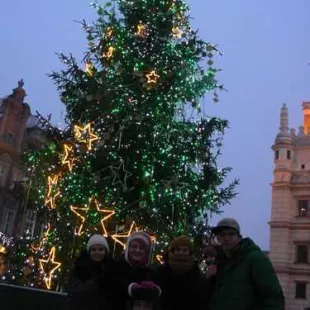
(97, 240)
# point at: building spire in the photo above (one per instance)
(284, 135)
(19, 93)
(284, 119)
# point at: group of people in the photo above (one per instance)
(239, 276)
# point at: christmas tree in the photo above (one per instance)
(132, 156)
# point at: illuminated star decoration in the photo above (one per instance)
(141, 31)
(177, 32)
(108, 32)
(109, 53)
(120, 175)
(93, 212)
(124, 236)
(85, 135)
(89, 68)
(43, 239)
(174, 183)
(46, 264)
(160, 259)
(133, 228)
(152, 77)
(68, 156)
(52, 191)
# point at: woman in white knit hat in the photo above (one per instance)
(134, 269)
(88, 285)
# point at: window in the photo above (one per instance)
(303, 208)
(276, 154)
(288, 154)
(300, 290)
(3, 172)
(302, 166)
(302, 256)
(30, 223)
(8, 221)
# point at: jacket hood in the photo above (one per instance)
(247, 246)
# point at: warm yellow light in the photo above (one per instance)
(48, 275)
(141, 30)
(89, 68)
(50, 200)
(43, 239)
(109, 53)
(118, 237)
(82, 214)
(160, 259)
(67, 156)
(91, 137)
(152, 77)
(108, 32)
(177, 32)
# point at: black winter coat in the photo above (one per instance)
(88, 286)
(122, 274)
(183, 292)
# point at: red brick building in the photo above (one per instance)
(15, 219)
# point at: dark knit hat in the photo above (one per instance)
(181, 241)
(225, 223)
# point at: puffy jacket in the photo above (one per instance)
(247, 281)
(88, 285)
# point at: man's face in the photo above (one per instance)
(142, 305)
(228, 238)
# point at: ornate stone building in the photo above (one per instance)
(16, 132)
(290, 215)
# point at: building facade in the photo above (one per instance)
(290, 212)
(15, 218)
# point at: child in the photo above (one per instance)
(144, 296)
(88, 284)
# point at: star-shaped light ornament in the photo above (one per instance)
(121, 238)
(141, 30)
(174, 184)
(120, 175)
(48, 267)
(108, 33)
(68, 159)
(109, 53)
(152, 77)
(43, 239)
(52, 191)
(85, 135)
(177, 32)
(89, 68)
(93, 215)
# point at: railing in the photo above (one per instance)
(23, 298)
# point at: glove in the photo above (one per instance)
(150, 285)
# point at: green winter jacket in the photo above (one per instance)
(247, 281)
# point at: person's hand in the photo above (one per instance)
(211, 271)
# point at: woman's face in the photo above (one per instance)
(97, 252)
(137, 251)
(182, 250)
